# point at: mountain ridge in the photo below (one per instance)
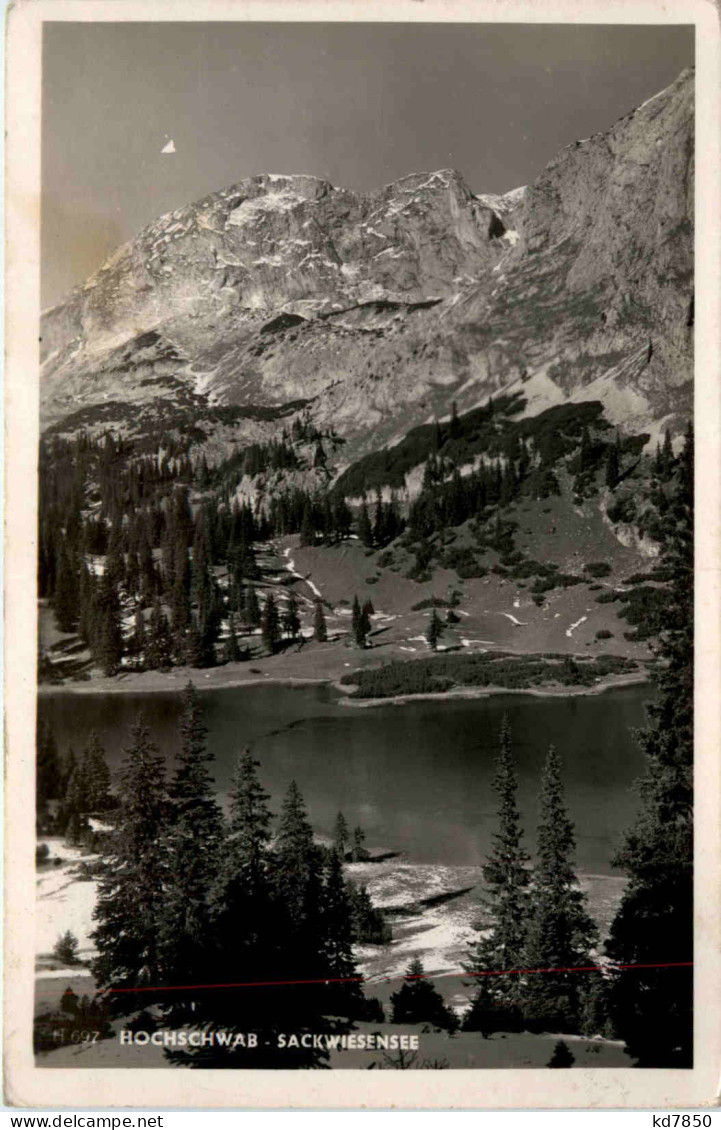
(380, 309)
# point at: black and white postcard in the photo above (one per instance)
(362, 388)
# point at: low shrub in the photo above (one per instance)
(431, 602)
(598, 568)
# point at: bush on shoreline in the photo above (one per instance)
(442, 672)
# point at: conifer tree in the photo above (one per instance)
(612, 467)
(379, 520)
(418, 1001)
(159, 647)
(343, 995)
(251, 608)
(454, 428)
(48, 781)
(319, 625)
(87, 600)
(359, 852)
(131, 898)
(95, 776)
(496, 1004)
(341, 835)
(270, 624)
(244, 941)
(192, 845)
(243, 916)
(356, 619)
(297, 857)
(109, 637)
(138, 639)
(291, 619)
(368, 922)
(66, 949)
(360, 623)
(342, 518)
(307, 529)
(194, 651)
(268, 916)
(365, 530)
(232, 650)
(562, 1056)
(364, 626)
(66, 595)
(560, 932)
(435, 630)
(652, 1009)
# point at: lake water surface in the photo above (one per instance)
(417, 777)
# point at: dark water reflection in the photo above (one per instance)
(416, 777)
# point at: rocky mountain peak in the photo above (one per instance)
(377, 309)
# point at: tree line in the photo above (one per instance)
(538, 919)
(190, 898)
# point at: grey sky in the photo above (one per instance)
(360, 105)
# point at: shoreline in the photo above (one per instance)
(345, 691)
(617, 683)
(111, 686)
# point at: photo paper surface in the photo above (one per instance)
(361, 632)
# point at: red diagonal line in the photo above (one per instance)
(403, 977)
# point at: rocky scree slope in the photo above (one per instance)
(374, 312)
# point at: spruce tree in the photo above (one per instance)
(435, 630)
(343, 995)
(418, 1001)
(244, 939)
(355, 617)
(232, 650)
(365, 620)
(359, 852)
(365, 530)
(66, 949)
(368, 922)
(159, 647)
(562, 1056)
(560, 932)
(48, 781)
(307, 529)
(270, 624)
(131, 902)
(110, 636)
(244, 922)
(319, 625)
(197, 649)
(652, 1009)
(192, 844)
(341, 835)
(342, 518)
(96, 776)
(360, 623)
(138, 640)
(291, 619)
(496, 1003)
(454, 428)
(297, 856)
(613, 471)
(251, 608)
(66, 596)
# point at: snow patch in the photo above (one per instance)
(250, 211)
(571, 630)
(518, 623)
(290, 566)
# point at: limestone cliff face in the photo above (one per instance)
(381, 309)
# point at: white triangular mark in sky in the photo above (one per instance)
(169, 148)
